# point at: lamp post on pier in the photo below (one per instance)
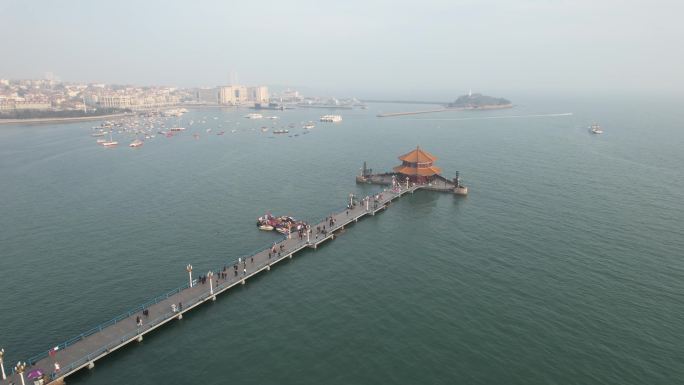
(20, 368)
(189, 269)
(2, 363)
(210, 275)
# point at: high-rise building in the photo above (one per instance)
(208, 95)
(258, 94)
(235, 95)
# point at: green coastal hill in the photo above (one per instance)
(478, 101)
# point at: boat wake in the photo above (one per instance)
(501, 117)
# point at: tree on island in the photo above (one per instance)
(478, 100)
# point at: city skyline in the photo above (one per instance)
(352, 48)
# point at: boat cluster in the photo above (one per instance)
(146, 126)
(282, 224)
(141, 127)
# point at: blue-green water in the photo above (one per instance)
(564, 265)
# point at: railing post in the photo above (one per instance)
(20, 368)
(2, 364)
(189, 269)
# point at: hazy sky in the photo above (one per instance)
(367, 47)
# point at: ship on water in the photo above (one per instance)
(595, 128)
(331, 118)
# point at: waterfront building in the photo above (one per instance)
(114, 101)
(235, 95)
(258, 94)
(9, 105)
(207, 95)
(418, 166)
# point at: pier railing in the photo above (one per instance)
(126, 337)
(103, 325)
(152, 324)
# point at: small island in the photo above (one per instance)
(469, 102)
(478, 101)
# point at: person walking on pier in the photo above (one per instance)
(244, 272)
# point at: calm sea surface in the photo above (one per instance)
(564, 265)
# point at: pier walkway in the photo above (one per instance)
(83, 350)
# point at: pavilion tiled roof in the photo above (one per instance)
(418, 156)
(417, 171)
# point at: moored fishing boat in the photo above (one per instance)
(331, 118)
(136, 143)
(111, 142)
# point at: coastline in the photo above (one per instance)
(485, 107)
(491, 107)
(63, 120)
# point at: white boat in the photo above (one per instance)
(331, 118)
(111, 142)
(309, 125)
(281, 131)
(136, 143)
(266, 227)
(174, 112)
(254, 116)
(100, 141)
(595, 129)
(177, 128)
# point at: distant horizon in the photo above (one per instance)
(434, 94)
(495, 46)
